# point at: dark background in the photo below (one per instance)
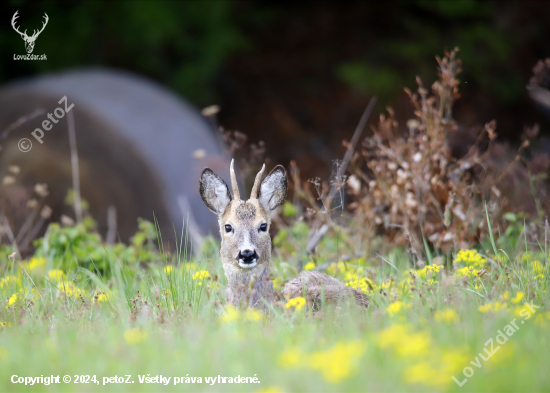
(298, 75)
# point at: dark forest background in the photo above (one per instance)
(298, 75)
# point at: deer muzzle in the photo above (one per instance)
(247, 258)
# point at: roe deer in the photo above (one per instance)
(246, 245)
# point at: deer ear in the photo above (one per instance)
(214, 192)
(273, 189)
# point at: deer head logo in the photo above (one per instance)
(29, 41)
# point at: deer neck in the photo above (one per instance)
(249, 286)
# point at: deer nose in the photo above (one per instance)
(248, 256)
(247, 253)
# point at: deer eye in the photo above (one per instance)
(263, 227)
(228, 228)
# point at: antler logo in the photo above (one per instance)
(29, 41)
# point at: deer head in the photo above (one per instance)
(244, 224)
(29, 41)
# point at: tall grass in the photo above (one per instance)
(422, 329)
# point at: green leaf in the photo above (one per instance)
(289, 210)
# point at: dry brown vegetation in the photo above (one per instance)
(406, 185)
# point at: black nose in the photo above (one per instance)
(248, 256)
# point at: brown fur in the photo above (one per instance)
(252, 285)
(245, 217)
(316, 285)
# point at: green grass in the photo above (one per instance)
(423, 327)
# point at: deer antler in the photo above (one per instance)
(36, 33)
(43, 26)
(256, 186)
(234, 184)
(15, 16)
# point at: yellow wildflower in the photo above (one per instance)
(421, 372)
(10, 280)
(432, 366)
(231, 315)
(70, 289)
(452, 361)
(56, 275)
(135, 336)
(309, 266)
(103, 297)
(543, 320)
(13, 299)
(430, 283)
(387, 285)
(403, 286)
(429, 271)
(190, 266)
(363, 284)
(447, 315)
(254, 315)
(537, 267)
(168, 269)
(201, 275)
(518, 298)
(353, 274)
(518, 311)
(392, 335)
(276, 283)
(338, 362)
(470, 257)
(485, 308)
(493, 307)
(36, 263)
(297, 302)
(468, 271)
(436, 374)
(292, 358)
(505, 295)
(336, 268)
(396, 307)
(415, 344)
(5, 324)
